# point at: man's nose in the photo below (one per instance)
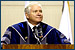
(39, 13)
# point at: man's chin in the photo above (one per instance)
(38, 21)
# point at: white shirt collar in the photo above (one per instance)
(31, 26)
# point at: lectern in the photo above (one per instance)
(38, 46)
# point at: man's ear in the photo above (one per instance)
(27, 16)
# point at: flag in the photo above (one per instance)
(26, 3)
(65, 25)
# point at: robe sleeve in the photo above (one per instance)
(6, 37)
(10, 37)
(56, 37)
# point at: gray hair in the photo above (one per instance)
(28, 7)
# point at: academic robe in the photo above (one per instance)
(21, 33)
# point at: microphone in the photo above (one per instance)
(35, 32)
(37, 38)
(40, 32)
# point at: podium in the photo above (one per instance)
(38, 46)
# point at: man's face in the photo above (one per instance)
(35, 14)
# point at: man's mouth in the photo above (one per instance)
(38, 17)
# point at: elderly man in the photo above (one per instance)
(33, 31)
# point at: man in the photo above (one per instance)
(33, 31)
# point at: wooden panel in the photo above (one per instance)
(37, 46)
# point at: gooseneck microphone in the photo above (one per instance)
(38, 33)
